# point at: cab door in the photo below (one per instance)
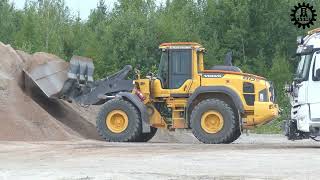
(314, 88)
(180, 72)
(175, 74)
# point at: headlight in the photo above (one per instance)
(263, 95)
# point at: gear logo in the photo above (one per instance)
(303, 15)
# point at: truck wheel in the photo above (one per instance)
(119, 121)
(213, 122)
(145, 137)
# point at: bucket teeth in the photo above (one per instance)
(81, 69)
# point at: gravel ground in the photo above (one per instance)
(251, 157)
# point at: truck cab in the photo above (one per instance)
(303, 91)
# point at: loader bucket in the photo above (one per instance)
(52, 76)
(49, 77)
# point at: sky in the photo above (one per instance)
(81, 6)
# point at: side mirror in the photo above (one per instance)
(299, 40)
(288, 88)
(317, 75)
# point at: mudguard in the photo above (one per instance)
(217, 89)
(141, 107)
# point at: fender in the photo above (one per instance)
(141, 107)
(217, 89)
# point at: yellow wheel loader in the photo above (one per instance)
(216, 104)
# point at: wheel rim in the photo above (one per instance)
(117, 121)
(212, 122)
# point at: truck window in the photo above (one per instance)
(316, 64)
(303, 67)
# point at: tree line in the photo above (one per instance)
(259, 32)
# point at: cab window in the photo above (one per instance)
(179, 67)
(175, 68)
(163, 72)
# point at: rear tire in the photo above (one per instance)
(226, 133)
(132, 122)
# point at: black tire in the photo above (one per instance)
(237, 133)
(145, 137)
(230, 130)
(133, 130)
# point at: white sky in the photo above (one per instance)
(81, 6)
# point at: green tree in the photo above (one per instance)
(8, 21)
(281, 74)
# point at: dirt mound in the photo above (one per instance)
(33, 117)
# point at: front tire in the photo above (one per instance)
(214, 122)
(119, 121)
(145, 137)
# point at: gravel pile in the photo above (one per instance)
(23, 116)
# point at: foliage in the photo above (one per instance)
(259, 33)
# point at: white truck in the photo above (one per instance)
(304, 92)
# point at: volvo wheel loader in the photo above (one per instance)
(216, 104)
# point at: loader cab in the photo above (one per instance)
(175, 66)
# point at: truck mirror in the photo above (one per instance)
(317, 76)
(300, 40)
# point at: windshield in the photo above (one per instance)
(163, 69)
(303, 67)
